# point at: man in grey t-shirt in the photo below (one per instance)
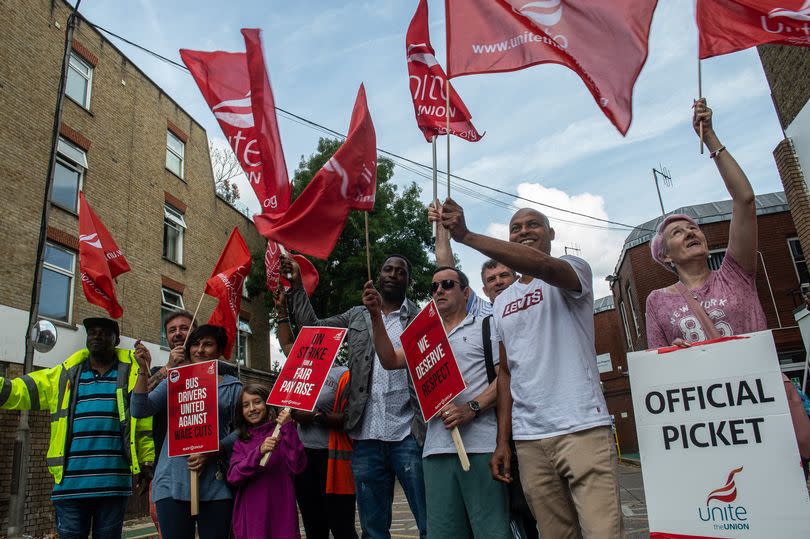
(456, 500)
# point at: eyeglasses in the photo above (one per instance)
(446, 284)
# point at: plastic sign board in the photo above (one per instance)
(431, 363)
(193, 409)
(718, 453)
(301, 379)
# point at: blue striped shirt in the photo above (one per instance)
(96, 462)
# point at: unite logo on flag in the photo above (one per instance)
(542, 12)
(91, 239)
(802, 14)
(723, 515)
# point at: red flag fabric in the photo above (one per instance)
(605, 43)
(226, 284)
(272, 263)
(731, 25)
(428, 85)
(100, 260)
(315, 220)
(237, 88)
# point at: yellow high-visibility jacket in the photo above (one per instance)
(52, 390)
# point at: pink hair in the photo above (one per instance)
(657, 243)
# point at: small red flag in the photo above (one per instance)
(272, 263)
(226, 284)
(428, 85)
(315, 220)
(605, 43)
(731, 25)
(237, 88)
(100, 260)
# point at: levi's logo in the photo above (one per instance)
(521, 304)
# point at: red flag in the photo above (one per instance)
(428, 85)
(731, 25)
(605, 43)
(100, 260)
(346, 182)
(272, 263)
(226, 284)
(237, 88)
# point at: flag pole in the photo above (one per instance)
(448, 137)
(700, 96)
(368, 251)
(435, 180)
(193, 318)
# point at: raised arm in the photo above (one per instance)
(389, 358)
(300, 309)
(444, 253)
(285, 334)
(742, 234)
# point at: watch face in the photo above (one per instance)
(474, 406)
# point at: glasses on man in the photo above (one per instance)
(446, 284)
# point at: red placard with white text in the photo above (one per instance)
(193, 409)
(431, 362)
(301, 379)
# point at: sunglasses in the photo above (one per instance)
(446, 284)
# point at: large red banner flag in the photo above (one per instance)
(274, 279)
(428, 85)
(100, 260)
(237, 88)
(348, 181)
(731, 25)
(605, 43)
(226, 284)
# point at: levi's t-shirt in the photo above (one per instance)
(729, 297)
(548, 334)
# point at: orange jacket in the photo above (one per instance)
(339, 479)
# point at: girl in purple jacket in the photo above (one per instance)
(264, 495)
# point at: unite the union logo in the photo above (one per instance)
(802, 14)
(724, 515)
(235, 112)
(541, 12)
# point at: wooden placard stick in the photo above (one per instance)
(368, 251)
(462, 453)
(700, 96)
(195, 492)
(276, 434)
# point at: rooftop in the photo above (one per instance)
(602, 304)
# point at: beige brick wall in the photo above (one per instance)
(788, 73)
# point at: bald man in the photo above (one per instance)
(553, 403)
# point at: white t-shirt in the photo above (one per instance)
(549, 339)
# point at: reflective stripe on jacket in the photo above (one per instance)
(51, 389)
(339, 479)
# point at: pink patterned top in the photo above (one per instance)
(729, 297)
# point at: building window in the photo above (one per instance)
(243, 334)
(633, 310)
(626, 326)
(71, 162)
(716, 259)
(174, 227)
(170, 302)
(175, 150)
(799, 263)
(56, 289)
(79, 81)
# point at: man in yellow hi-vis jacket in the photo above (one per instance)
(96, 446)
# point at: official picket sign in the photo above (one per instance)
(193, 409)
(718, 452)
(431, 362)
(301, 379)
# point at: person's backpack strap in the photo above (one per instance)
(487, 338)
(699, 312)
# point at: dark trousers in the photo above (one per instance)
(76, 517)
(322, 512)
(176, 522)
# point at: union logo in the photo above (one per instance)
(235, 112)
(728, 492)
(91, 239)
(802, 14)
(420, 52)
(541, 12)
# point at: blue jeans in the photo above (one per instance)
(105, 515)
(374, 466)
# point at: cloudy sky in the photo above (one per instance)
(546, 139)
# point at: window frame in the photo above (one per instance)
(166, 307)
(633, 311)
(714, 252)
(791, 240)
(88, 78)
(62, 271)
(181, 157)
(627, 337)
(174, 218)
(243, 331)
(72, 158)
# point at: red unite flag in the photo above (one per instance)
(731, 25)
(226, 283)
(348, 181)
(100, 260)
(428, 85)
(272, 264)
(605, 43)
(237, 88)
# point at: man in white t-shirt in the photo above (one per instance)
(548, 387)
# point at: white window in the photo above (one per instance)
(56, 289)
(71, 162)
(633, 310)
(799, 262)
(716, 259)
(79, 80)
(245, 289)
(243, 334)
(175, 151)
(174, 227)
(170, 302)
(627, 337)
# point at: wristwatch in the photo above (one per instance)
(475, 407)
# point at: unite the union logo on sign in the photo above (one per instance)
(725, 515)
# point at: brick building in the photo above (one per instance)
(782, 273)
(143, 165)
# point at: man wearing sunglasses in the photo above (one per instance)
(548, 385)
(460, 504)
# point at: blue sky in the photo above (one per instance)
(546, 138)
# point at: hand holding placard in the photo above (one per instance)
(282, 418)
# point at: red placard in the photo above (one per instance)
(193, 409)
(431, 362)
(301, 379)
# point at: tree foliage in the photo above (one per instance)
(225, 167)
